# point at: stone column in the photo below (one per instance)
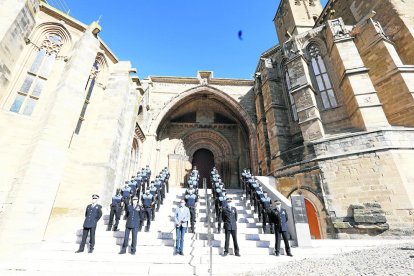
(302, 91)
(32, 204)
(263, 138)
(360, 96)
(276, 113)
(393, 80)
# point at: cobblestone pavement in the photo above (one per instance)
(384, 260)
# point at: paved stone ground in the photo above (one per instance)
(384, 260)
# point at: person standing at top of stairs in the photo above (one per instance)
(116, 209)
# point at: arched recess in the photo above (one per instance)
(319, 209)
(212, 141)
(232, 107)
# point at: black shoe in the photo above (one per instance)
(146, 229)
(277, 254)
(181, 253)
(289, 254)
(108, 228)
(123, 251)
(90, 251)
(225, 254)
(79, 251)
(237, 254)
(132, 253)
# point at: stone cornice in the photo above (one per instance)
(191, 80)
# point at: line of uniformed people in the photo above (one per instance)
(191, 196)
(268, 213)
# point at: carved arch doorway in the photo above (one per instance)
(204, 160)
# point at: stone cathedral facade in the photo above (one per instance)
(329, 114)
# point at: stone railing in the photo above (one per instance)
(299, 231)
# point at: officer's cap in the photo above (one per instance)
(229, 199)
(135, 198)
(95, 196)
(278, 202)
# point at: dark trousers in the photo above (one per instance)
(285, 240)
(91, 238)
(139, 193)
(134, 239)
(233, 234)
(219, 220)
(115, 212)
(148, 214)
(266, 219)
(167, 186)
(192, 216)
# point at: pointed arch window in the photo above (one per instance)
(322, 79)
(89, 88)
(36, 77)
(291, 99)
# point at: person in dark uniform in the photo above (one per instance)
(167, 177)
(133, 223)
(147, 200)
(266, 212)
(92, 214)
(126, 194)
(154, 192)
(139, 181)
(191, 201)
(116, 209)
(148, 172)
(229, 214)
(222, 203)
(280, 219)
(133, 185)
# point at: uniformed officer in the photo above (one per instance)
(222, 199)
(144, 179)
(280, 219)
(92, 214)
(116, 209)
(167, 178)
(266, 213)
(158, 197)
(148, 172)
(229, 214)
(147, 200)
(191, 201)
(259, 206)
(154, 193)
(133, 223)
(181, 217)
(139, 181)
(126, 193)
(133, 185)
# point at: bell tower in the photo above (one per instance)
(296, 16)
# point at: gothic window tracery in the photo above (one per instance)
(36, 77)
(323, 82)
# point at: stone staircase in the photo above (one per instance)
(155, 249)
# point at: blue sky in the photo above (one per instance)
(180, 37)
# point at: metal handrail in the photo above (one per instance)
(210, 270)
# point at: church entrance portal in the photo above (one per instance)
(204, 160)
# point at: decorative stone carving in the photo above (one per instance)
(379, 29)
(52, 43)
(290, 49)
(338, 28)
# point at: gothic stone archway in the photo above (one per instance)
(205, 117)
